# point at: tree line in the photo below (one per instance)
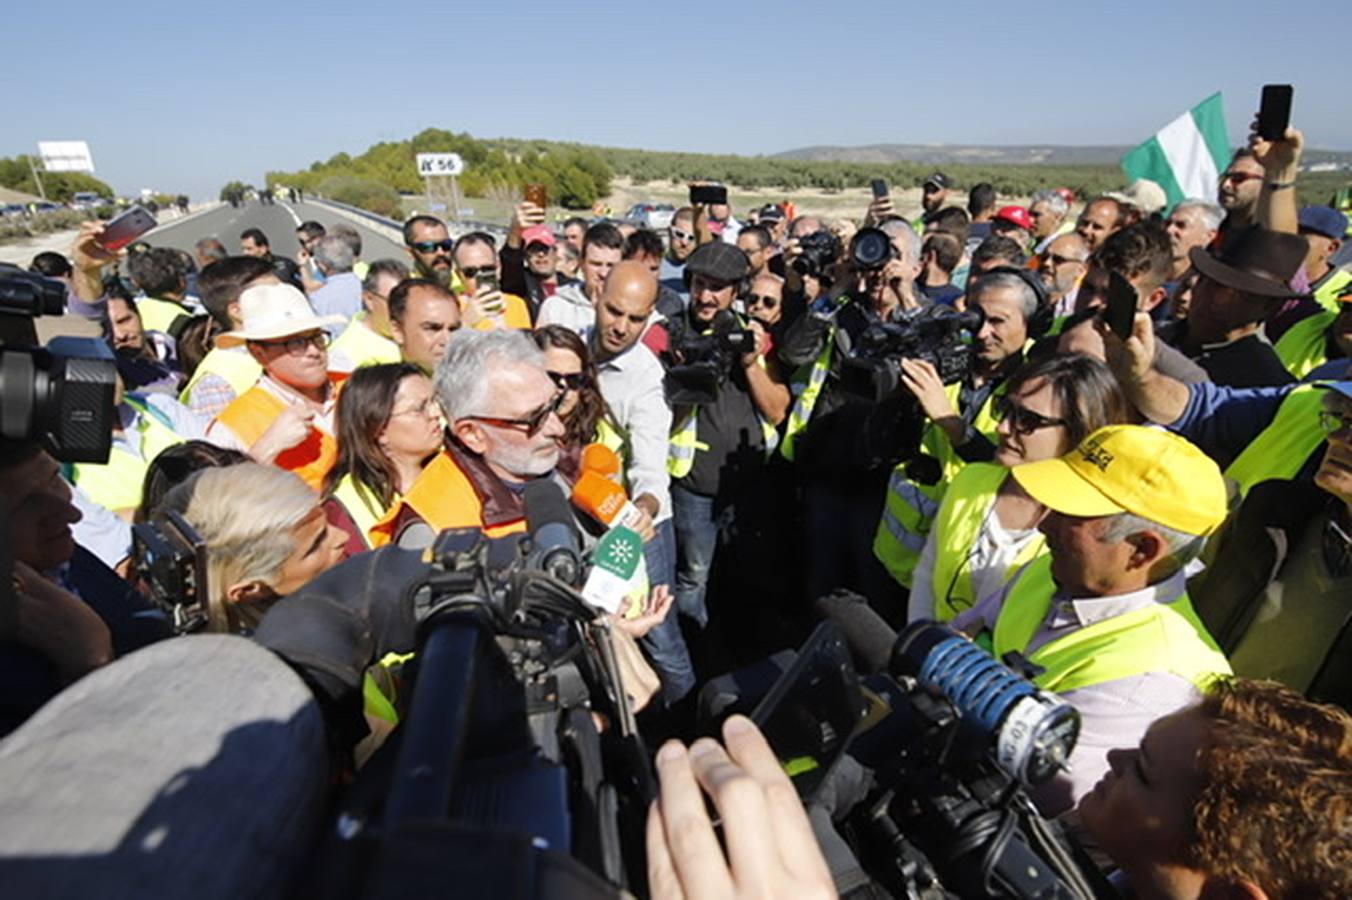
(60, 187)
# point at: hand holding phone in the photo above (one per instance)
(1120, 311)
(1274, 111)
(536, 193)
(708, 194)
(125, 228)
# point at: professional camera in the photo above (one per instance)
(938, 334)
(699, 363)
(928, 777)
(61, 394)
(818, 252)
(871, 249)
(171, 565)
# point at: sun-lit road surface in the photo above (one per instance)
(277, 221)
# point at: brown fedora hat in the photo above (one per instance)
(1257, 261)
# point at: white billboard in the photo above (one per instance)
(440, 164)
(65, 156)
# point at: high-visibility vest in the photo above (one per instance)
(443, 497)
(685, 443)
(1304, 346)
(116, 484)
(1326, 295)
(515, 314)
(1280, 449)
(1159, 638)
(238, 368)
(964, 509)
(254, 411)
(910, 507)
(807, 386)
(361, 504)
(161, 315)
(360, 346)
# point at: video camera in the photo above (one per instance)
(699, 363)
(952, 739)
(937, 334)
(61, 394)
(818, 252)
(171, 565)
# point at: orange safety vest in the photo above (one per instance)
(252, 412)
(443, 497)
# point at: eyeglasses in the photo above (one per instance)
(1055, 260)
(680, 235)
(1240, 177)
(300, 343)
(758, 300)
(446, 245)
(428, 408)
(1022, 420)
(532, 423)
(476, 271)
(1334, 422)
(569, 381)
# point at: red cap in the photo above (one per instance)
(538, 234)
(1016, 215)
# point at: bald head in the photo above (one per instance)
(623, 310)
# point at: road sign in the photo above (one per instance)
(430, 164)
(65, 156)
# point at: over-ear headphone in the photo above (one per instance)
(1044, 316)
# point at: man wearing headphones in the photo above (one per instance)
(960, 425)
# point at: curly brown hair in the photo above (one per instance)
(581, 424)
(1276, 806)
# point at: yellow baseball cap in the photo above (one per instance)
(1130, 468)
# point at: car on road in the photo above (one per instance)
(87, 200)
(655, 216)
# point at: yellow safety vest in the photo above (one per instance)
(1304, 347)
(909, 510)
(1159, 638)
(238, 368)
(160, 315)
(361, 346)
(807, 387)
(1282, 447)
(361, 504)
(1326, 295)
(685, 443)
(964, 509)
(116, 484)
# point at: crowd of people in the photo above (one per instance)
(934, 412)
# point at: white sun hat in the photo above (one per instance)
(274, 311)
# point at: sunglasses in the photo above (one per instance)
(1240, 177)
(569, 381)
(680, 235)
(758, 300)
(476, 271)
(300, 343)
(1022, 420)
(531, 424)
(433, 246)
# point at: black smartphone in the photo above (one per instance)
(708, 194)
(813, 710)
(879, 188)
(125, 228)
(486, 281)
(1274, 112)
(1120, 310)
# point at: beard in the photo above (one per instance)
(525, 462)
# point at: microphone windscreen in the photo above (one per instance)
(867, 634)
(599, 497)
(600, 459)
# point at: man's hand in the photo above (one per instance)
(485, 304)
(1280, 159)
(524, 215)
(761, 345)
(924, 383)
(771, 849)
(654, 612)
(59, 625)
(87, 254)
(880, 209)
(1132, 360)
(291, 427)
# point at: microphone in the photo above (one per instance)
(602, 460)
(605, 501)
(555, 545)
(866, 633)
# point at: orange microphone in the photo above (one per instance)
(604, 500)
(602, 460)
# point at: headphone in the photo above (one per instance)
(1044, 316)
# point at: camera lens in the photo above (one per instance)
(872, 249)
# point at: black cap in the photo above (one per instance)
(719, 261)
(938, 179)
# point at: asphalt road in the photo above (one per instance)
(277, 221)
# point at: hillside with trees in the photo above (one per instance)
(60, 187)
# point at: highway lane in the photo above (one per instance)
(277, 221)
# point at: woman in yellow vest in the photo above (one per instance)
(389, 426)
(986, 526)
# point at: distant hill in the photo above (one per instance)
(1014, 155)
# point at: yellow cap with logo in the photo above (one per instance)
(1148, 472)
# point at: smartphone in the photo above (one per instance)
(813, 710)
(879, 188)
(708, 194)
(1274, 112)
(1120, 311)
(486, 281)
(536, 193)
(125, 228)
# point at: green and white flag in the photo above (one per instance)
(1187, 156)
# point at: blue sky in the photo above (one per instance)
(185, 96)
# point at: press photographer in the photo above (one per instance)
(728, 399)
